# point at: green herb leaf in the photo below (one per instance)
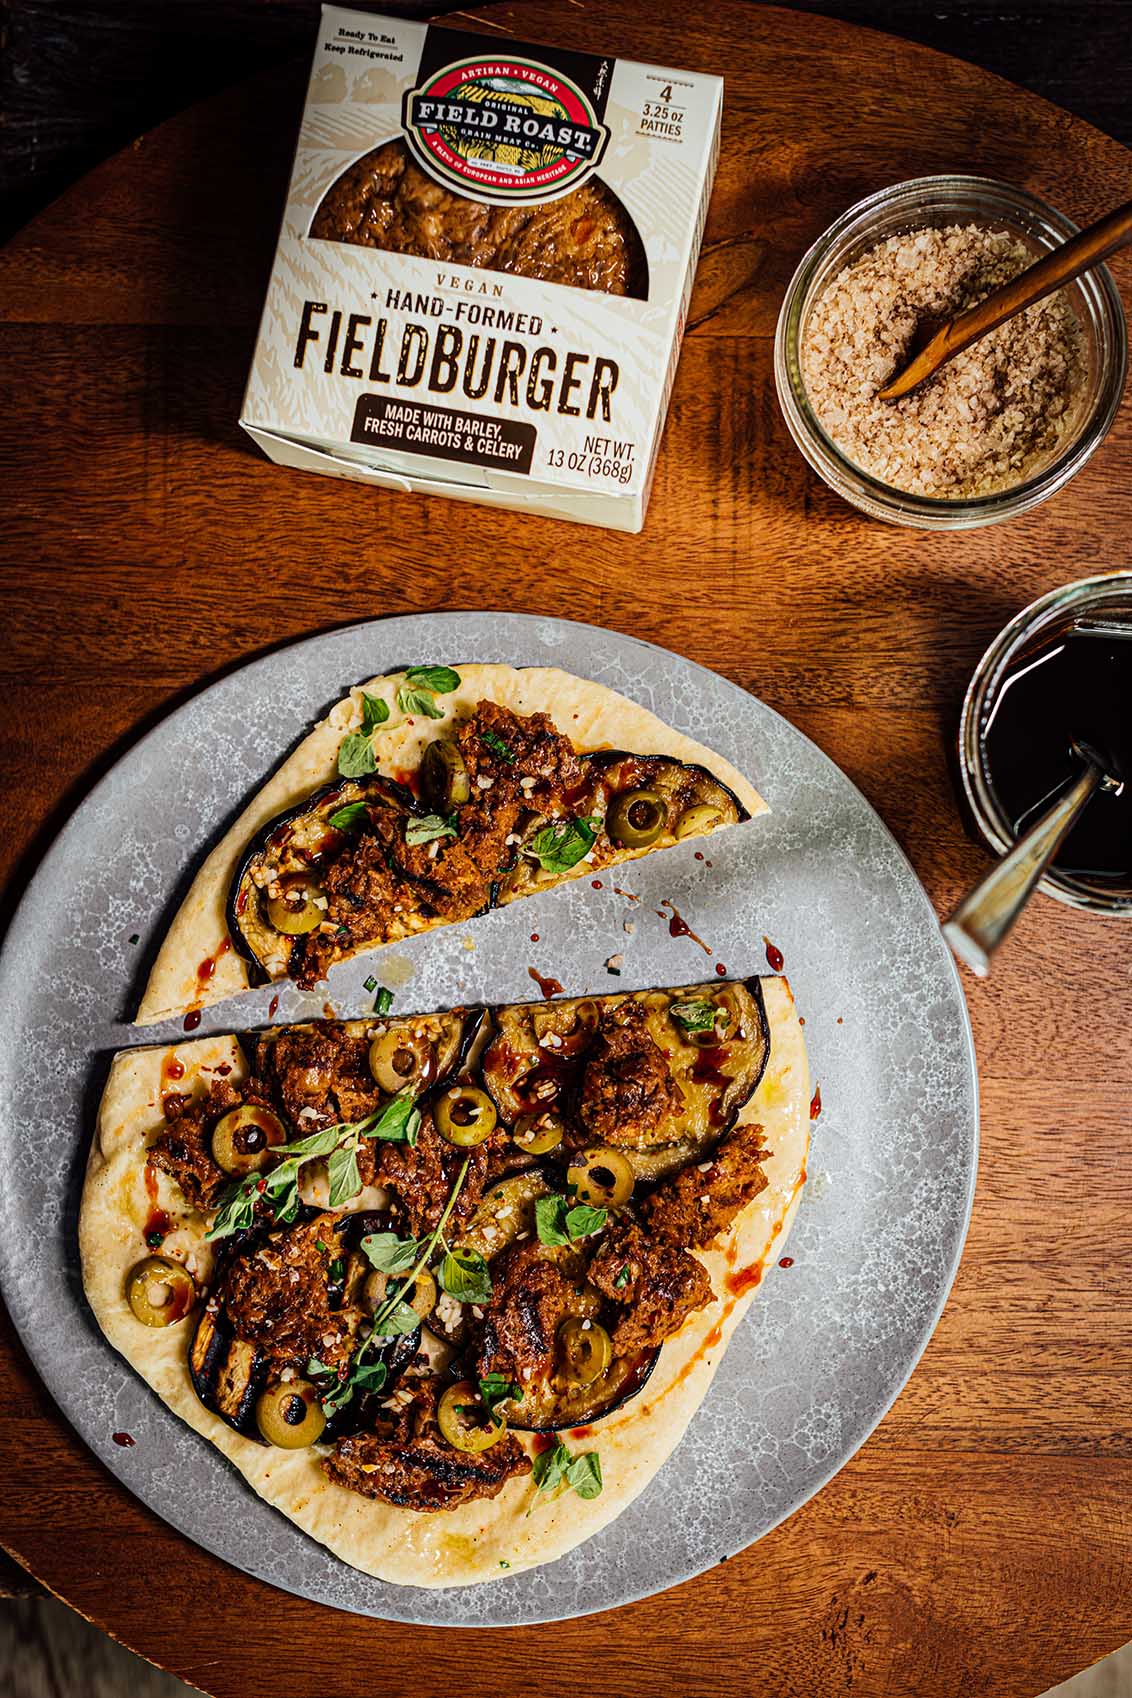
(550, 1221)
(582, 1221)
(342, 1171)
(345, 819)
(496, 744)
(418, 701)
(556, 1223)
(496, 1389)
(584, 1474)
(315, 1144)
(316, 1367)
(440, 679)
(400, 1319)
(369, 984)
(559, 847)
(622, 1279)
(375, 712)
(237, 1209)
(398, 1123)
(557, 1467)
(696, 1013)
(383, 1002)
(424, 828)
(355, 755)
(390, 1254)
(550, 1466)
(464, 1275)
(369, 1376)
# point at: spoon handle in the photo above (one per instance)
(987, 913)
(1087, 248)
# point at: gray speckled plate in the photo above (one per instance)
(829, 1342)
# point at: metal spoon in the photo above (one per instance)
(984, 917)
(1084, 250)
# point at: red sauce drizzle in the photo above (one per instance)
(786, 1261)
(627, 894)
(775, 959)
(157, 1223)
(595, 884)
(534, 937)
(744, 1280)
(678, 925)
(580, 1432)
(815, 1104)
(124, 1440)
(192, 1019)
(715, 1336)
(411, 780)
(699, 854)
(273, 1007)
(242, 900)
(172, 1068)
(544, 1441)
(208, 966)
(548, 987)
(721, 969)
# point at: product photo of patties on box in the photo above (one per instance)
(484, 267)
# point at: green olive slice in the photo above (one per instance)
(464, 1115)
(464, 1421)
(444, 777)
(300, 907)
(243, 1138)
(289, 1415)
(695, 820)
(600, 1176)
(401, 1060)
(422, 1295)
(535, 1134)
(584, 1351)
(636, 818)
(159, 1291)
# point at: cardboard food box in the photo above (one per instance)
(484, 268)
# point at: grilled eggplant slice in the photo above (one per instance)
(643, 802)
(560, 1402)
(506, 1210)
(230, 1374)
(536, 1062)
(287, 856)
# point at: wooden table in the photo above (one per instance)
(980, 1542)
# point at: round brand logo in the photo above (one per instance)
(504, 130)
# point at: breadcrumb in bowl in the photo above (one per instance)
(1004, 424)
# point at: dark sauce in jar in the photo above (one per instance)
(1076, 686)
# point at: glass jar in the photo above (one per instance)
(1106, 596)
(937, 201)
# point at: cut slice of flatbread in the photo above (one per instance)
(197, 964)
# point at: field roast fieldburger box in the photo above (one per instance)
(484, 268)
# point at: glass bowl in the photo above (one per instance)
(942, 201)
(1107, 596)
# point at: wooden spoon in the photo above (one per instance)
(1080, 253)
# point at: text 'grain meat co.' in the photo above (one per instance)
(483, 271)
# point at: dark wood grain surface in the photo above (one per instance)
(980, 1543)
(80, 78)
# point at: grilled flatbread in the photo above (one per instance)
(700, 1095)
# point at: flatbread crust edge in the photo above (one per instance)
(474, 1542)
(592, 715)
